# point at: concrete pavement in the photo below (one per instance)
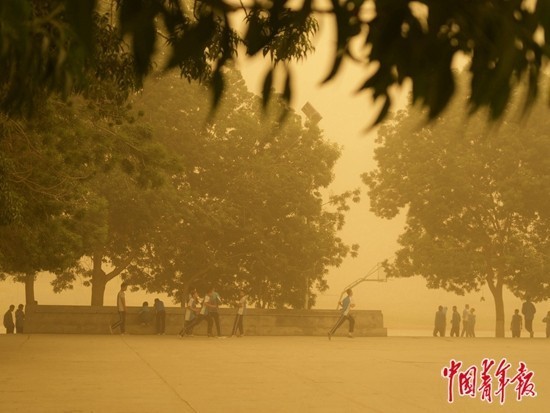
(100, 373)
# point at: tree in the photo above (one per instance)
(121, 205)
(42, 177)
(396, 40)
(475, 199)
(249, 208)
(82, 184)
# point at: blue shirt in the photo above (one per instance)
(346, 305)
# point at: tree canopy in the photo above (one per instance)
(51, 166)
(249, 209)
(475, 199)
(173, 198)
(52, 46)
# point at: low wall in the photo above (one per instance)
(257, 322)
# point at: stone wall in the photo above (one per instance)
(257, 322)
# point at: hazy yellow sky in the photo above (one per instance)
(405, 303)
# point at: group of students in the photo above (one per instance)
(197, 311)
(146, 315)
(528, 310)
(14, 326)
(468, 320)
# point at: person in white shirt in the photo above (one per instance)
(347, 304)
(213, 303)
(202, 314)
(191, 312)
(121, 306)
(241, 308)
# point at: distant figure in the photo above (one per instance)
(19, 319)
(202, 315)
(191, 312)
(213, 316)
(547, 321)
(121, 307)
(8, 320)
(160, 316)
(440, 321)
(517, 324)
(528, 310)
(455, 323)
(471, 332)
(465, 317)
(145, 314)
(347, 304)
(241, 308)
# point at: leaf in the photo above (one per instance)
(335, 67)
(266, 90)
(217, 87)
(287, 92)
(383, 112)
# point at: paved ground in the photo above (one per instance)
(72, 373)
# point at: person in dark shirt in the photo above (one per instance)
(440, 321)
(528, 310)
(517, 324)
(145, 314)
(455, 323)
(19, 319)
(160, 316)
(8, 320)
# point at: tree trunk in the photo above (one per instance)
(29, 289)
(98, 290)
(499, 310)
(99, 281)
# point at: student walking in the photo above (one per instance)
(440, 321)
(347, 304)
(517, 324)
(238, 324)
(191, 313)
(455, 323)
(528, 310)
(8, 320)
(202, 315)
(121, 306)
